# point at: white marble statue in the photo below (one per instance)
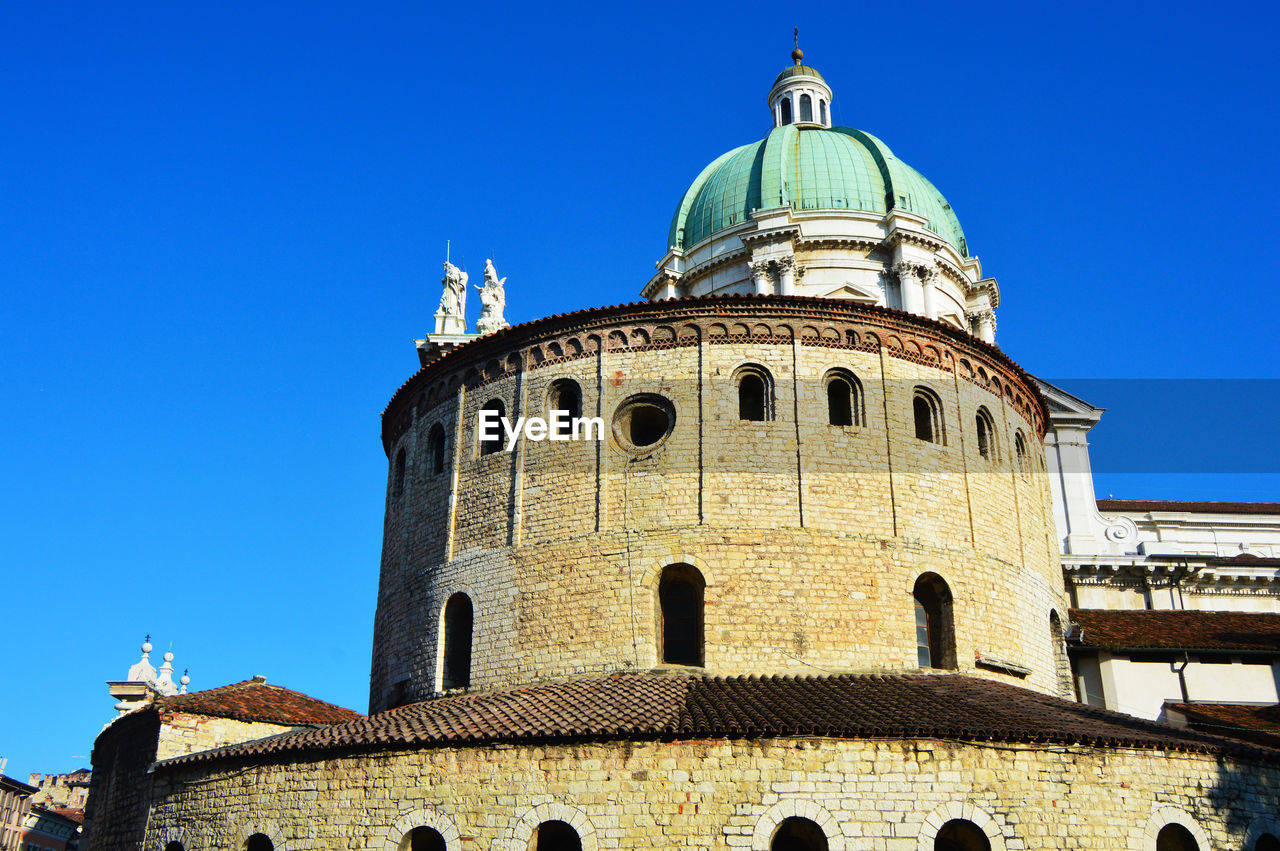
(451, 315)
(493, 300)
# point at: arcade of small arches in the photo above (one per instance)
(846, 407)
(788, 833)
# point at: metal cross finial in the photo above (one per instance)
(797, 36)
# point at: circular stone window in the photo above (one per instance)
(643, 422)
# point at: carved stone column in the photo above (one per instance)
(910, 286)
(983, 323)
(760, 276)
(930, 277)
(787, 276)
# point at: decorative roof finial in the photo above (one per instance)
(164, 682)
(797, 54)
(185, 679)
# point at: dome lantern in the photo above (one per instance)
(800, 95)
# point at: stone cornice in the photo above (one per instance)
(685, 321)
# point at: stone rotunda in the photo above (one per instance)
(804, 595)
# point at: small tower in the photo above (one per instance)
(799, 95)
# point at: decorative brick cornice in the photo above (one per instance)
(768, 319)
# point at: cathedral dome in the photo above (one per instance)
(808, 168)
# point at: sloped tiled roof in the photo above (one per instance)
(648, 706)
(1115, 505)
(1179, 630)
(252, 700)
(1250, 723)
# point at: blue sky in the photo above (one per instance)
(221, 228)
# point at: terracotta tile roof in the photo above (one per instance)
(252, 700)
(1250, 723)
(1179, 630)
(1114, 505)
(648, 706)
(76, 814)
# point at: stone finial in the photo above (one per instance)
(185, 680)
(143, 671)
(493, 298)
(164, 682)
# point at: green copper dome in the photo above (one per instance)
(798, 71)
(810, 168)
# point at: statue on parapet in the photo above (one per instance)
(451, 315)
(493, 300)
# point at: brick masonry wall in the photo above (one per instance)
(876, 795)
(810, 536)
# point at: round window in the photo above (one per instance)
(643, 422)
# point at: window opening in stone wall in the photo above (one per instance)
(175, 845)
(806, 108)
(927, 411)
(423, 839)
(259, 842)
(1267, 842)
(458, 622)
(1061, 662)
(822, 110)
(435, 449)
(844, 399)
(961, 835)
(681, 590)
(755, 394)
(786, 110)
(555, 836)
(1175, 837)
(494, 443)
(1020, 449)
(934, 621)
(986, 434)
(798, 834)
(565, 395)
(397, 477)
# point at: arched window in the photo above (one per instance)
(822, 110)
(397, 476)
(1020, 450)
(806, 108)
(555, 836)
(175, 845)
(493, 444)
(844, 399)
(785, 104)
(1062, 664)
(457, 642)
(986, 435)
(1175, 837)
(259, 842)
(681, 589)
(435, 449)
(961, 835)
(1267, 842)
(798, 834)
(935, 624)
(927, 410)
(423, 839)
(564, 395)
(755, 394)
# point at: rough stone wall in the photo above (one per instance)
(120, 788)
(810, 536)
(874, 795)
(184, 733)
